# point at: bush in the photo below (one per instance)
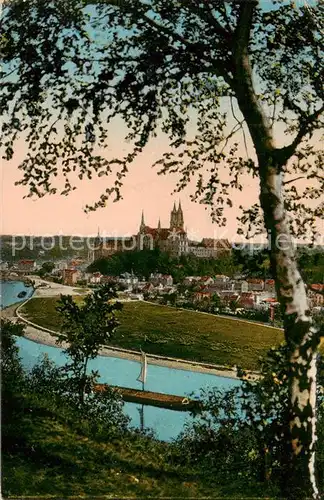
(100, 414)
(219, 439)
(240, 431)
(51, 389)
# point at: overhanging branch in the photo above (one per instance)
(197, 49)
(293, 180)
(306, 127)
(206, 12)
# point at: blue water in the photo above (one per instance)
(167, 424)
(9, 292)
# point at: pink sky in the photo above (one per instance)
(143, 190)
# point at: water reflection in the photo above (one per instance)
(167, 424)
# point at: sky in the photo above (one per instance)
(144, 190)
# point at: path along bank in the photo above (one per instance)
(45, 336)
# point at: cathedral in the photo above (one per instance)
(171, 239)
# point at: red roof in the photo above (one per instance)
(255, 281)
(230, 298)
(246, 301)
(247, 295)
(317, 286)
(270, 282)
(26, 261)
(148, 286)
(214, 243)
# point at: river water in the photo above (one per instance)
(167, 424)
(9, 291)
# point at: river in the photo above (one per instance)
(9, 291)
(167, 424)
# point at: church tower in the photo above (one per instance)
(142, 226)
(174, 218)
(180, 221)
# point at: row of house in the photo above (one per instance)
(222, 282)
(71, 276)
(251, 293)
(247, 293)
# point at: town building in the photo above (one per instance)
(255, 284)
(71, 276)
(95, 278)
(161, 279)
(316, 295)
(104, 248)
(210, 248)
(26, 266)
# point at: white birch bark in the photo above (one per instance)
(301, 336)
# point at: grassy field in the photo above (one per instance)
(177, 333)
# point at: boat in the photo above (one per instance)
(22, 294)
(167, 401)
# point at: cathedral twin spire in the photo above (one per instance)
(176, 219)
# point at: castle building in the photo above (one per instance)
(172, 239)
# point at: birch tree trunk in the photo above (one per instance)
(302, 338)
(298, 463)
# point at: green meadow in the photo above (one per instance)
(176, 333)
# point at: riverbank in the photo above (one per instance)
(176, 334)
(45, 336)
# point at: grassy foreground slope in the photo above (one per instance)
(177, 333)
(52, 458)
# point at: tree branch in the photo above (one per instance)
(243, 28)
(198, 49)
(160, 27)
(248, 101)
(208, 16)
(293, 180)
(306, 126)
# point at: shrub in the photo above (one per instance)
(100, 413)
(241, 429)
